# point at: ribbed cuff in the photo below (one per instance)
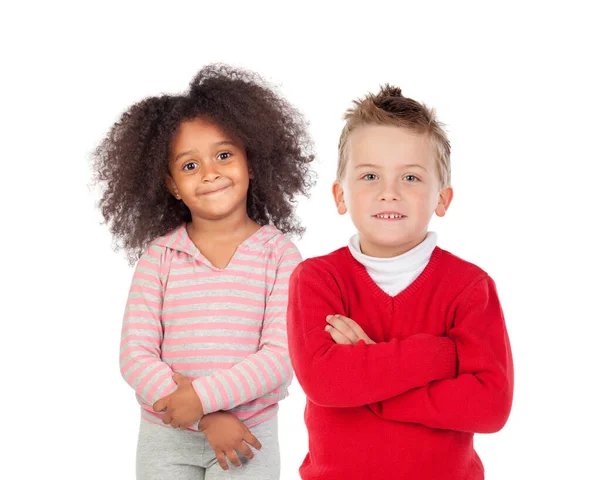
(447, 358)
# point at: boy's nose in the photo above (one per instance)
(389, 192)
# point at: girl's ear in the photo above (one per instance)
(444, 200)
(250, 173)
(170, 184)
(338, 197)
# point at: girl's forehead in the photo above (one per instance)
(204, 131)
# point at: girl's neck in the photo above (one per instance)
(234, 228)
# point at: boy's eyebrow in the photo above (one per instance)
(369, 165)
(217, 144)
(413, 165)
(372, 165)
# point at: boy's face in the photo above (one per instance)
(391, 188)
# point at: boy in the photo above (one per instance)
(400, 346)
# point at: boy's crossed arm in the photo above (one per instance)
(479, 399)
(352, 376)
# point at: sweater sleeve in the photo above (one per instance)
(268, 371)
(479, 399)
(142, 333)
(335, 375)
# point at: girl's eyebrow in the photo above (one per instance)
(217, 144)
(224, 142)
(182, 154)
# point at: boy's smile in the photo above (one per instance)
(391, 188)
(389, 216)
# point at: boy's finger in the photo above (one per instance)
(178, 378)
(343, 328)
(356, 328)
(252, 440)
(337, 336)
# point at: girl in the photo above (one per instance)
(199, 187)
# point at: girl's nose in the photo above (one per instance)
(210, 172)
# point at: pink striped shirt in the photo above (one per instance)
(223, 328)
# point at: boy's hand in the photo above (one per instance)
(345, 331)
(183, 407)
(226, 433)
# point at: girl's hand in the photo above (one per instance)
(346, 331)
(226, 433)
(183, 407)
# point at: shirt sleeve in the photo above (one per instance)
(142, 333)
(269, 369)
(479, 399)
(335, 375)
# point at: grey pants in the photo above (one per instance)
(165, 453)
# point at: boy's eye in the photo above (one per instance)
(370, 176)
(224, 155)
(411, 178)
(190, 166)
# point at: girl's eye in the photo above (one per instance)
(224, 156)
(411, 178)
(190, 166)
(370, 176)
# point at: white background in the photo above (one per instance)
(517, 85)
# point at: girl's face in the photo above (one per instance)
(208, 171)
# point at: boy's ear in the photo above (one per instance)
(444, 200)
(170, 184)
(338, 196)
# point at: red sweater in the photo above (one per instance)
(406, 407)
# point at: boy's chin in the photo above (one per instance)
(390, 243)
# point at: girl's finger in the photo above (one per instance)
(233, 458)
(167, 417)
(221, 460)
(252, 440)
(245, 450)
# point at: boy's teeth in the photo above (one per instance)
(388, 216)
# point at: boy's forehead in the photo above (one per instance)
(385, 144)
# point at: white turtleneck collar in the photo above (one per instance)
(396, 273)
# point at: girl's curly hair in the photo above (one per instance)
(131, 163)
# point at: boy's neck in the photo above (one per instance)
(384, 251)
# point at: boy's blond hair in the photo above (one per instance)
(390, 107)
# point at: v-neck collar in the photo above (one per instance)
(181, 241)
(408, 291)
